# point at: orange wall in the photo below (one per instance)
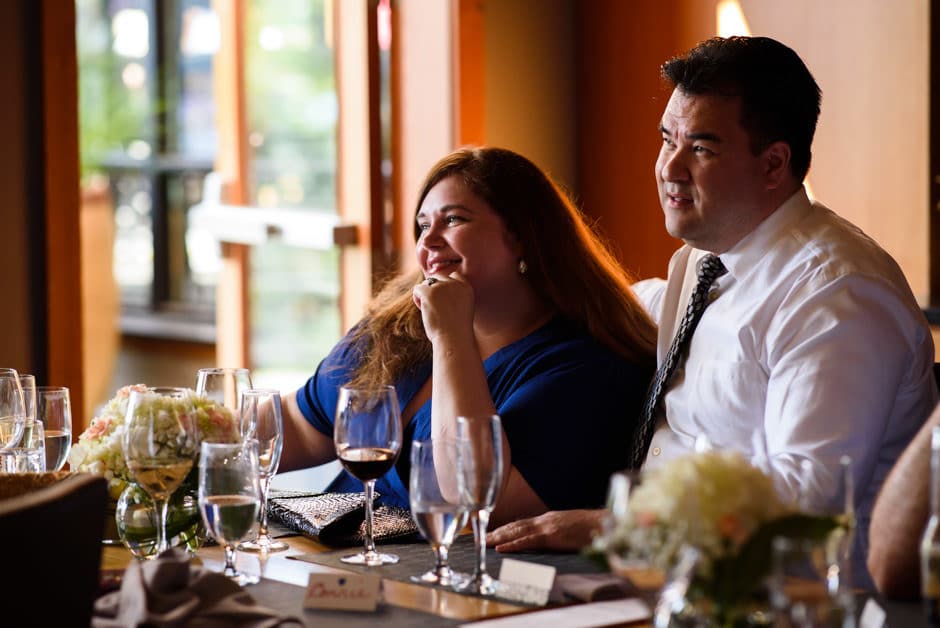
(622, 45)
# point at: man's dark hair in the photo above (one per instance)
(779, 96)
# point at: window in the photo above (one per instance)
(147, 123)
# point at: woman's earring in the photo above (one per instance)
(523, 267)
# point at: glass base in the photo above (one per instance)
(243, 579)
(264, 544)
(370, 559)
(445, 577)
(481, 584)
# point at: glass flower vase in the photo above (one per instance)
(136, 520)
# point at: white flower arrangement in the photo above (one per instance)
(720, 504)
(100, 447)
(713, 501)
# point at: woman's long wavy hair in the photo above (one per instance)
(569, 267)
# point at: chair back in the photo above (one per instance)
(51, 549)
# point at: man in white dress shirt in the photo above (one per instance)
(812, 346)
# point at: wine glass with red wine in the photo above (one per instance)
(368, 439)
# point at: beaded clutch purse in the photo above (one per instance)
(338, 519)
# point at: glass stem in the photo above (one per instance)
(480, 519)
(440, 555)
(263, 522)
(369, 543)
(162, 508)
(229, 560)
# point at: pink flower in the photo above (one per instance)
(99, 425)
(646, 519)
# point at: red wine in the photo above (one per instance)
(367, 463)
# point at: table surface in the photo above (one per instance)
(402, 599)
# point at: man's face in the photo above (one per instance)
(711, 186)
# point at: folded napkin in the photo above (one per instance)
(591, 587)
(168, 591)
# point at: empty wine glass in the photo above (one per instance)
(28, 384)
(12, 409)
(54, 411)
(367, 434)
(160, 445)
(435, 504)
(805, 587)
(230, 497)
(480, 474)
(225, 386)
(261, 422)
(840, 505)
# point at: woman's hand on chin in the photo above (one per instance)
(446, 305)
(556, 530)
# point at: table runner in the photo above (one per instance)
(416, 558)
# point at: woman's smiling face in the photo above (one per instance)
(460, 232)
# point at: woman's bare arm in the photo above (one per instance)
(304, 445)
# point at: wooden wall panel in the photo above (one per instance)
(870, 157)
(621, 100)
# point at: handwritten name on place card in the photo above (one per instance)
(350, 592)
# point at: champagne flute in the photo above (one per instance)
(160, 444)
(54, 411)
(435, 504)
(12, 409)
(230, 497)
(840, 505)
(223, 385)
(367, 434)
(480, 474)
(262, 423)
(28, 384)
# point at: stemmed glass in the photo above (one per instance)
(261, 422)
(230, 497)
(223, 385)
(480, 473)
(840, 506)
(28, 384)
(160, 445)
(54, 411)
(12, 409)
(805, 587)
(367, 434)
(435, 504)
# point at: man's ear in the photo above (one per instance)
(775, 164)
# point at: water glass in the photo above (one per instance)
(480, 474)
(806, 590)
(230, 497)
(54, 411)
(435, 504)
(29, 455)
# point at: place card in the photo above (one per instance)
(349, 592)
(523, 581)
(873, 616)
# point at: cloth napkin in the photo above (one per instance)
(168, 591)
(591, 587)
